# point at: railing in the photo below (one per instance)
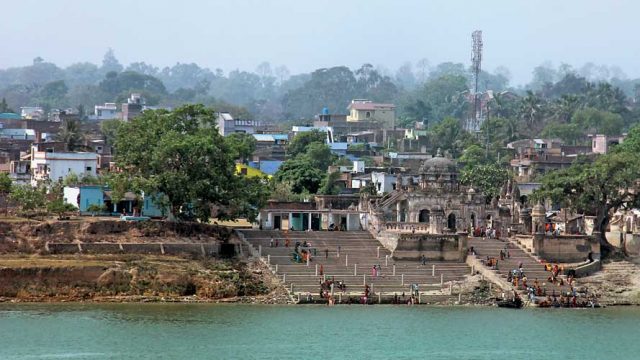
(422, 228)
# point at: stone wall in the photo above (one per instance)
(199, 249)
(439, 247)
(565, 248)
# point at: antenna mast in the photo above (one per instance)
(476, 66)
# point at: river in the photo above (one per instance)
(205, 331)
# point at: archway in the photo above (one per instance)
(473, 220)
(424, 216)
(489, 222)
(451, 221)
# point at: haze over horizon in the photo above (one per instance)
(305, 36)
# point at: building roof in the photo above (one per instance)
(371, 106)
(13, 116)
(438, 164)
(270, 137)
(339, 146)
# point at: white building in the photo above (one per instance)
(48, 165)
(107, 111)
(32, 112)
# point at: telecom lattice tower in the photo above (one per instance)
(476, 66)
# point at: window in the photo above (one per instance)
(367, 114)
(88, 168)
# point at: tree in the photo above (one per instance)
(71, 135)
(599, 188)
(4, 107)
(110, 62)
(5, 189)
(449, 136)
(241, 146)
(330, 184)
(28, 198)
(303, 176)
(602, 122)
(488, 178)
(96, 208)
(60, 208)
(318, 155)
(444, 96)
(302, 140)
(181, 155)
(109, 130)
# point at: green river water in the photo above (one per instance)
(204, 331)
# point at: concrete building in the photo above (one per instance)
(47, 164)
(601, 144)
(368, 111)
(133, 107)
(108, 111)
(536, 157)
(32, 113)
(227, 125)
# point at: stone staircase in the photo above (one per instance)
(533, 268)
(351, 257)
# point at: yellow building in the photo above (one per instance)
(366, 110)
(242, 169)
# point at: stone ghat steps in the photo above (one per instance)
(355, 248)
(532, 268)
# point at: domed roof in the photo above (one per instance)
(438, 164)
(539, 209)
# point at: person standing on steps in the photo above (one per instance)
(326, 253)
(424, 260)
(271, 242)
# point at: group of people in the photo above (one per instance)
(490, 233)
(404, 299)
(376, 271)
(275, 242)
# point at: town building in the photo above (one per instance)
(367, 111)
(49, 165)
(601, 144)
(32, 113)
(535, 157)
(133, 107)
(227, 125)
(108, 111)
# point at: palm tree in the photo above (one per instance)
(71, 135)
(531, 108)
(564, 107)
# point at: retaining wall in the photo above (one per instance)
(566, 248)
(201, 249)
(449, 247)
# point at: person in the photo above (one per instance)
(415, 290)
(424, 260)
(374, 271)
(326, 253)
(271, 242)
(286, 242)
(277, 242)
(321, 269)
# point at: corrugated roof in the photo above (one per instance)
(13, 116)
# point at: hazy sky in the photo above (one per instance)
(309, 34)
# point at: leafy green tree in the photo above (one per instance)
(96, 209)
(181, 155)
(28, 198)
(488, 178)
(303, 176)
(599, 188)
(602, 122)
(241, 145)
(302, 140)
(60, 208)
(109, 130)
(444, 97)
(319, 155)
(5, 189)
(330, 185)
(54, 93)
(571, 134)
(449, 136)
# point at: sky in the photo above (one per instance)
(308, 34)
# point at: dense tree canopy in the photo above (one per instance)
(181, 155)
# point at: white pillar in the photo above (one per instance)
(346, 260)
(268, 259)
(316, 269)
(386, 260)
(364, 279)
(378, 250)
(308, 257)
(355, 269)
(290, 221)
(441, 279)
(402, 279)
(450, 287)
(276, 268)
(309, 221)
(394, 269)
(284, 278)
(459, 297)
(259, 250)
(433, 270)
